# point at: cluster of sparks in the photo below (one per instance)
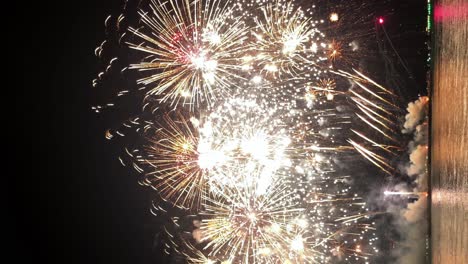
(259, 120)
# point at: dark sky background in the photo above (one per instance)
(69, 199)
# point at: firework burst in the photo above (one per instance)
(241, 134)
(285, 40)
(191, 49)
(243, 226)
(173, 155)
(185, 156)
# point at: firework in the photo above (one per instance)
(242, 226)
(334, 50)
(173, 155)
(185, 156)
(191, 49)
(285, 40)
(375, 108)
(257, 158)
(242, 134)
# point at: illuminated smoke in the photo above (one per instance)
(413, 224)
(417, 111)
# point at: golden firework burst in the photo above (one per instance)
(191, 50)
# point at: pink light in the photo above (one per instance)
(451, 12)
(381, 20)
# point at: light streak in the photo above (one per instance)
(406, 193)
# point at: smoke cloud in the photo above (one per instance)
(413, 220)
(417, 112)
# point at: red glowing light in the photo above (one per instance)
(381, 20)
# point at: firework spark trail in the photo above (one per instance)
(386, 148)
(376, 110)
(362, 78)
(363, 108)
(376, 159)
(370, 103)
(376, 120)
(376, 127)
(375, 94)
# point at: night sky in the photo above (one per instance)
(70, 200)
